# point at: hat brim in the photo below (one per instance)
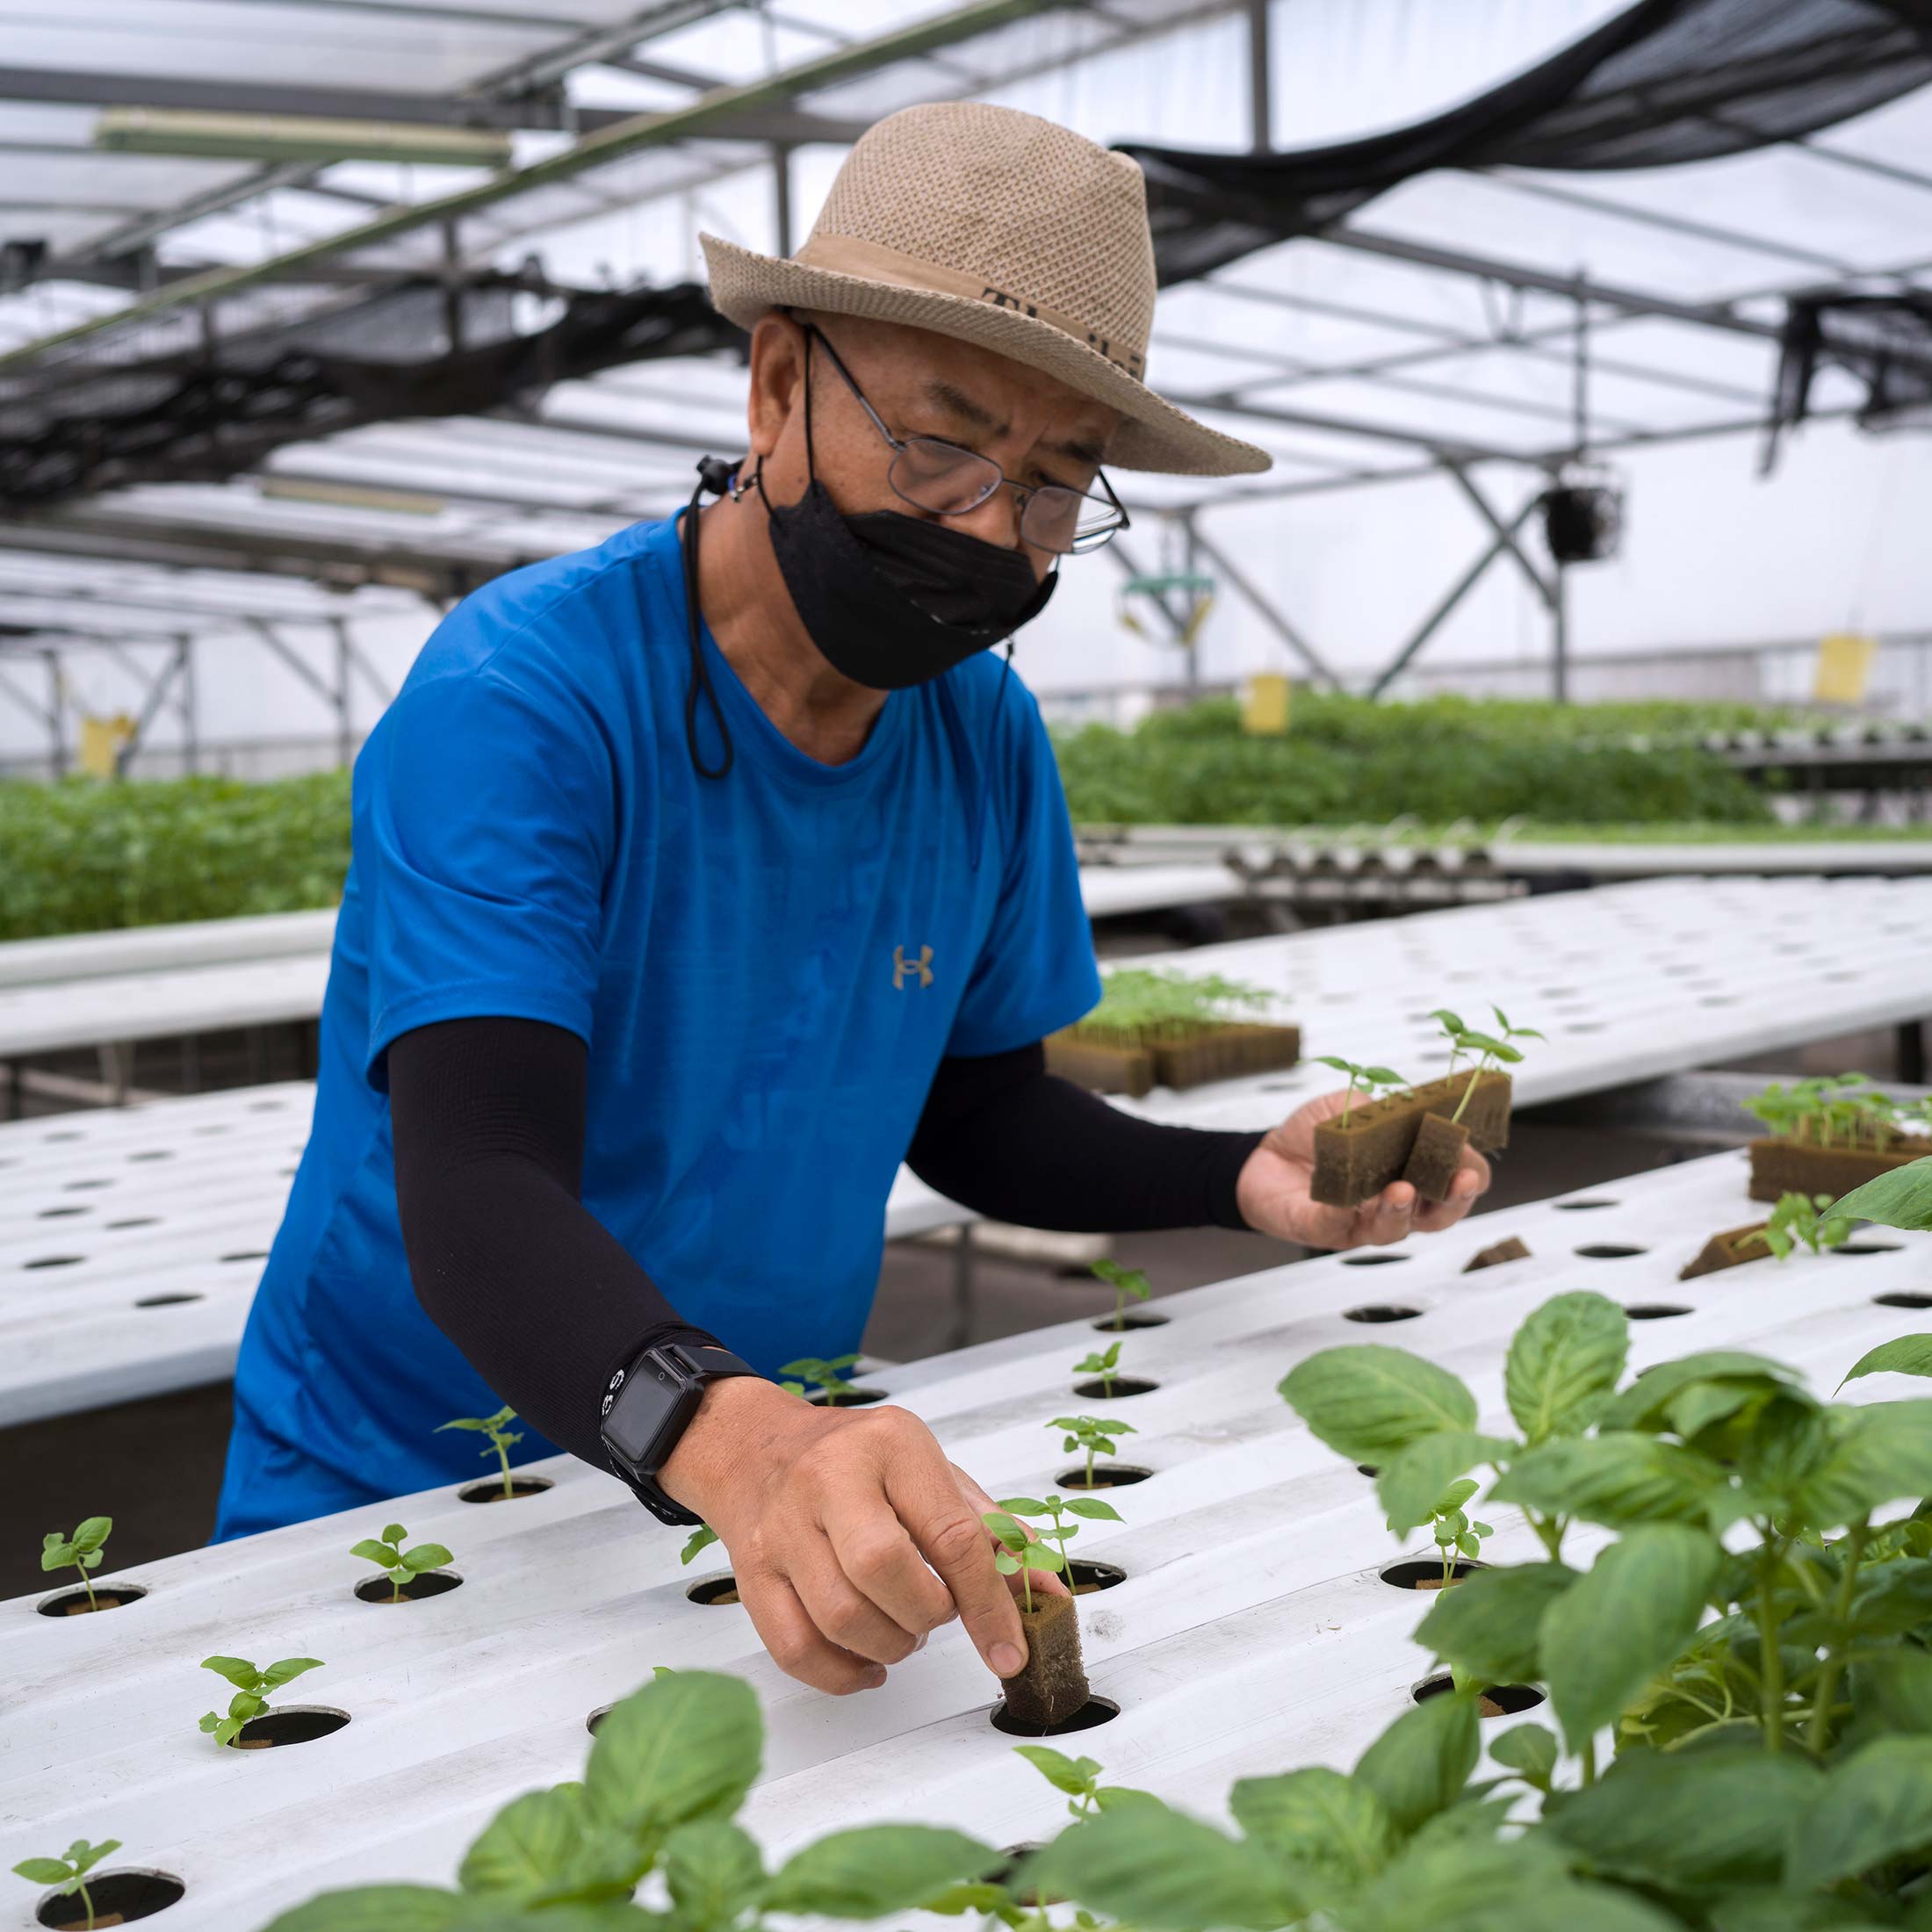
(1153, 434)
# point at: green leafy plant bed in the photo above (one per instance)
(1163, 1028)
(1829, 1135)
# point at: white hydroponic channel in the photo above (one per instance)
(1253, 1633)
(130, 1242)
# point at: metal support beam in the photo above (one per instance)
(56, 714)
(1505, 533)
(345, 727)
(1260, 116)
(157, 694)
(702, 118)
(1267, 612)
(1456, 592)
(1560, 637)
(781, 195)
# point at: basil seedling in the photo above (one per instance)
(68, 1872)
(1488, 1052)
(1127, 1284)
(1093, 1435)
(1018, 1555)
(1103, 1365)
(701, 1538)
(1367, 1079)
(82, 1550)
(824, 1376)
(1800, 1219)
(1062, 1533)
(1455, 1534)
(397, 1563)
(252, 1688)
(1079, 1777)
(501, 1438)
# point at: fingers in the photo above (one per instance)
(1047, 1582)
(1388, 1219)
(797, 1646)
(879, 1560)
(924, 1491)
(845, 1617)
(1471, 1183)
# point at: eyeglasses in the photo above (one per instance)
(940, 477)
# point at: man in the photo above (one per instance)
(700, 878)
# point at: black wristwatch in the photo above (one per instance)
(647, 1409)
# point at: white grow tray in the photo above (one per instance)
(1286, 1649)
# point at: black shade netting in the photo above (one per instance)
(419, 348)
(1883, 342)
(1661, 83)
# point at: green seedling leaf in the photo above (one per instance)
(425, 1556)
(1893, 1690)
(714, 1872)
(1876, 1805)
(685, 1746)
(1159, 1872)
(1700, 1822)
(1908, 1355)
(1564, 1364)
(1530, 1752)
(1092, 1508)
(701, 1538)
(1489, 1625)
(43, 1871)
(1418, 1766)
(279, 1673)
(1643, 1405)
(416, 1909)
(530, 1847)
(1368, 1401)
(1879, 1454)
(238, 1671)
(875, 1869)
(1614, 1479)
(1606, 1635)
(1320, 1824)
(1899, 1199)
(1073, 1776)
(1411, 1481)
(93, 1532)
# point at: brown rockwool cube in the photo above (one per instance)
(1729, 1250)
(1780, 1167)
(1435, 1158)
(1353, 1163)
(1053, 1684)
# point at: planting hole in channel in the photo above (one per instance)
(380, 1590)
(1425, 1572)
(490, 1489)
(290, 1724)
(1903, 1300)
(1584, 1207)
(859, 1398)
(596, 1718)
(166, 1300)
(1107, 1325)
(714, 1590)
(1380, 1311)
(1372, 1260)
(1093, 1712)
(1009, 1864)
(120, 1899)
(1610, 1251)
(1654, 1311)
(1088, 1578)
(1117, 1390)
(1497, 1700)
(73, 1603)
(1864, 1247)
(1117, 1477)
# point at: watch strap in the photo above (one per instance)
(702, 1362)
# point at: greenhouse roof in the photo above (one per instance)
(1438, 325)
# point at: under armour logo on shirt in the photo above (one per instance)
(903, 967)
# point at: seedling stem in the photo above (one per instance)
(82, 1550)
(1125, 1283)
(501, 1438)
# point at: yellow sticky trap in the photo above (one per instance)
(102, 740)
(1844, 668)
(1265, 704)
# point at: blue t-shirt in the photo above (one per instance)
(766, 969)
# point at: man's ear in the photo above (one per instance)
(777, 369)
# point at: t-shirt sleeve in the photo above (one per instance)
(483, 825)
(1036, 972)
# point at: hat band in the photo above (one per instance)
(846, 255)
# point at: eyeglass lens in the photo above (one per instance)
(949, 481)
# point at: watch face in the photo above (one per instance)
(649, 1413)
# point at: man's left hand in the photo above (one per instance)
(1273, 1191)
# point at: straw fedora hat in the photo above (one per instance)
(1002, 229)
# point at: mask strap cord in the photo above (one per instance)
(987, 759)
(711, 474)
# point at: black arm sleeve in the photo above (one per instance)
(488, 1121)
(1003, 1136)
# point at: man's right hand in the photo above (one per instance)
(852, 1536)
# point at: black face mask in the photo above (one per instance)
(893, 601)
